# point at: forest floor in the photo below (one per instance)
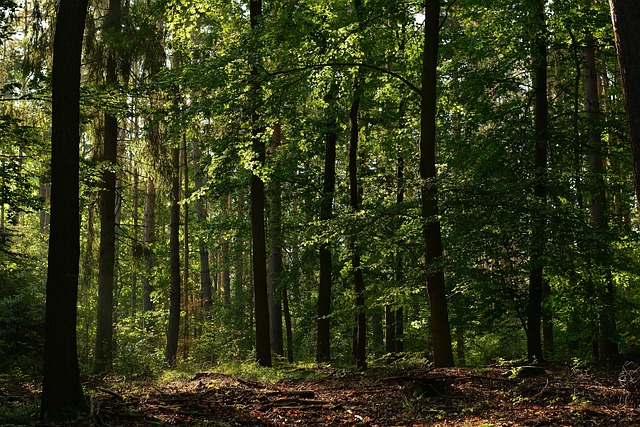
(481, 397)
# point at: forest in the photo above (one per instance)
(294, 201)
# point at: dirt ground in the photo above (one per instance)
(484, 397)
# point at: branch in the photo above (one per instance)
(403, 79)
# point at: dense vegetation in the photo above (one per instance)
(353, 180)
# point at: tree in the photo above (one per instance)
(275, 255)
(62, 395)
(360, 350)
(205, 271)
(538, 235)
(260, 288)
(440, 330)
(173, 330)
(149, 224)
(104, 331)
(323, 342)
(608, 346)
(625, 15)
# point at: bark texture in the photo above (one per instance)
(439, 317)
(625, 15)
(62, 395)
(104, 326)
(538, 223)
(323, 343)
(261, 304)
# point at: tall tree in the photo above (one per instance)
(323, 343)
(625, 15)
(173, 330)
(62, 395)
(394, 316)
(275, 254)
(263, 346)
(608, 347)
(184, 167)
(360, 350)
(538, 224)
(148, 237)
(439, 317)
(104, 327)
(205, 269)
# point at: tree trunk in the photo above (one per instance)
(135, 245)
(287, 324)
(173, 330)
(263, 345)
(45, 194)
(184, 167)
(394, 330)
(547, 321)
(148, 239)
(538, 224)
(226, 258)
(62, 395)
(354, 200)
(625, 15)
(323, 344)
(440, 330)
(276, 286)
(205, 269)
(608, 347)
(104, 326)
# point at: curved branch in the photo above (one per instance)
(403, 79)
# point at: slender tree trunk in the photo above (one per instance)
(104, 327)
(400, 330)
(205, 269)
(184, 167)
(148, 239)
(538, 231)
(625, 15)
(276, 286)
(134, 261)
(394, 330)
(608, 347)
(547, 321)
(263, 346)
(287, 324)
(323, 347)
(354, 200)
(173, 330)
(62, 395)
(45, 194)
(226, 258)
(87, 262)
(440, 330)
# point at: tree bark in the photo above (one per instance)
(225, 258)
(205, 269)
(263, 346)
(135, 245)
(104, 326)
(184, 167)
(62, 395)
(538, 224)
(276, 286)
(173, 330)
(393, 317)
(439, 318)
(625, 15)
(323, 344)
(354, 200)
(148, 239)
(599, 217)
